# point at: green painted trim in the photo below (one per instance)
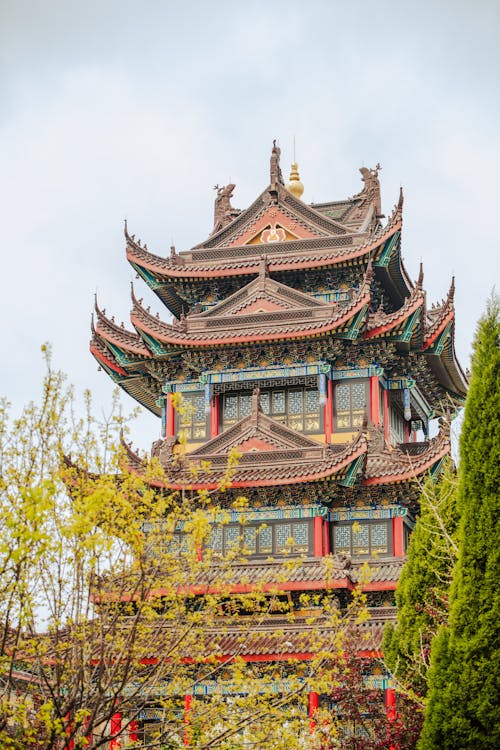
(148, 277)
(353, 471)
(258, 373)
(398, 384)
(363, 514)
(353, 331)
(437, 469)
(154, 344)
(409, 328)
(440, 343)
(356, 372)
(386, 253)
(120, 355)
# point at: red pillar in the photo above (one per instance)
(116, 727)
(397, 537)
(407, 429)
(374, 400)
(313, 703)
(133, 731)
(170, 417)
(214, 416)
(390, 709)
(70, 744)
(387, 430)
(188, 707)
(328, 411)
(318, 537)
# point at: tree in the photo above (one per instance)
(107, 607)
(422, 592)
(462, 707)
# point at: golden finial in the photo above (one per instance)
(295, 187)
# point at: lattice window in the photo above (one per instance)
(192, 418)
(300, 536)
(298, 408)
(275, 538)
(283, 534)
(250, 540)
(235, 407)
(378, 538)
(265, 534)
(278, 403)
(362, 539)
(178, 544)
(342, 540)
(231, 538)
(216, 538)
(351, 400)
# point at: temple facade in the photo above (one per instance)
(297, 338)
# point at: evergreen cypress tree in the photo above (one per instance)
(422, 593)
(462, 709)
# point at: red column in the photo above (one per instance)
(214, 416)
(390, 709)
(387, 431)
(318, 537)
(313, 703)
(397, 537)
(407, 429)
(374, 400)
(133, 731)
(328, 411)
(188, 707)
(116, 727)
(70, 744)
(170, 417)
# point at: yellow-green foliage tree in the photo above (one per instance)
(107, 606)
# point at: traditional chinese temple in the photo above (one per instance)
(297, 337)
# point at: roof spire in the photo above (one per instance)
(420, 280)
(451, 293)
(276, 175)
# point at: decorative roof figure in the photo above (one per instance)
(372, 185)
(276, 174)
(223, 210)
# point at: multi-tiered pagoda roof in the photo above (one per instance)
(284, 284)
(294, 341)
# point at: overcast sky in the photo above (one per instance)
(117, 109)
